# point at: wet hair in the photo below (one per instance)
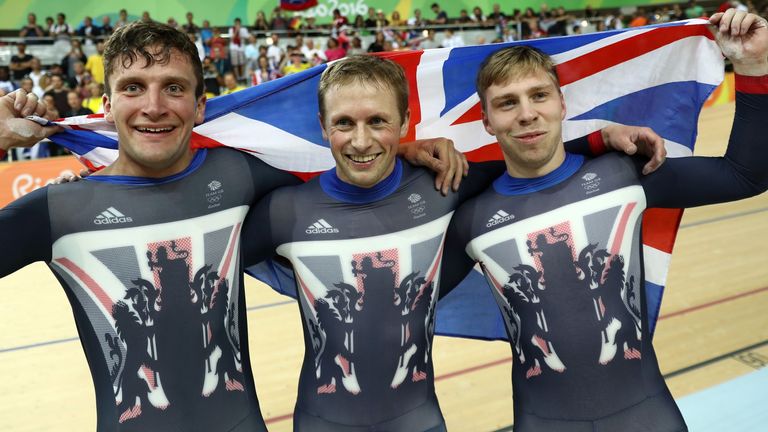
(153, 43)
(369, 70)
(512, 63)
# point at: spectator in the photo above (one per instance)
(263, 72)
(21, 62)
(334, 51)
(48, 27)
(275, 53)
(31, 31)
(27, 85)
(676, 14)
(94, 92)
(359, 22)
(171, 22)
(397, 20)
(639, 19)
(497, 16)
(693, 10)
(251, 53)
(589, 12)
(106, 26)
(230, 84)
(50, 103)
(38, 77)
(261, 25)
(416, 20)
(122, 19)
(339, 21)
(6, 85)
(74, 55)
(278, 22)
(190, 26)
(478, 17)
(356, 46)
(88, 32)
(219, 52)
(428, 41)
(206, 33)
(75, 105)
(211, 78)
(296, 64)
(310, 24)
(452, 40)
(559, 26)
(80, 78)
(61, 32)
(238, 36)
(464, 17)
(145, 17)
(381, 20)
(441, 17)
(198, 44)
(370, 19)
(378, 43)
(58, 91)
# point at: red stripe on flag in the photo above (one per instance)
(473, 114)
(232, 243)
(202, 141)
(490, 152)
(410, 64)
(660, 228)
(627, 49)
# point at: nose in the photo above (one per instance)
(361, 138)
(154, 104)
(527, 112)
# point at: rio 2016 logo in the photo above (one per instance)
(347, 8)
(26, 183)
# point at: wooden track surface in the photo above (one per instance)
(714, 308)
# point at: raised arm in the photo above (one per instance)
(743, 171)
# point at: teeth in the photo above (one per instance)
(154, 130)
(362, 158)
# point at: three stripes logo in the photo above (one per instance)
(500, 217)
(321, 227)
(111, 216)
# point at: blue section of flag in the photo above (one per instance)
(653, 294)
(81, 141)
(471, 298)
(654, 107)
(279, 110)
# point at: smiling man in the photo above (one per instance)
(565, 266)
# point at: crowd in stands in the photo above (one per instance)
(240, 56)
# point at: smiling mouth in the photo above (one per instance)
(154, 130)
(362, 158)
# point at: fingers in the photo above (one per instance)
(31, 105)
(445, 153)
(725, 20)
(651, 145)
(462, 169)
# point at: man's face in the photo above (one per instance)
(229, 81)
(154, 110)
(73, 100)
(526, 117)
(364, 128)
(57, 82)
(31, 19)
(27, 85)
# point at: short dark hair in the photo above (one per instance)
(131, 42)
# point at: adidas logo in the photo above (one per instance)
(321, 227)
(111, 216)
(500, 217)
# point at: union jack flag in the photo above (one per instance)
(297, 5)
(656, 76)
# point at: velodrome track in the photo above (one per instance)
(713, 330)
